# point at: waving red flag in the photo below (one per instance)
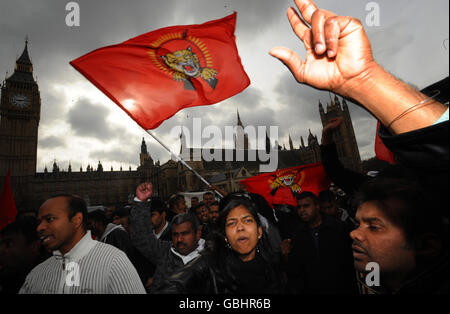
(280, 187)
(154, 75)
(8, 209)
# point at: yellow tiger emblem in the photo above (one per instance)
(187, 65)
(292, 181)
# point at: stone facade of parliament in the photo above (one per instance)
(20, 109)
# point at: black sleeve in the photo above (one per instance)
(423, 149)
(346, 179)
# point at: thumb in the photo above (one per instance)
(291, 60)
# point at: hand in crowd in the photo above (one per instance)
(338, 52)
(331, 126)
(286, 247)
(144, 191)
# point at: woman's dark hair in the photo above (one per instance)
(217, 250)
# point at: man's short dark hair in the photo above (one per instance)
(306, 194)
(208, 193)
(98, 216)
(75, 205)
(121, 212)
(194, 197)
(175, 200)
(186, 217)
(25, 225)
(215, 203)
(416, 213)
(158, 205)
(327, 196)
(199, 205)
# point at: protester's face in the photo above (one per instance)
(202, 214)
(158, 219)
(56, 230)
(95, 228)
(242, 232)
(208, 199)
(307, 209)
(122, 221)
(15, 254)
(329, 208)
(109, 211)
(213, 213)
(378, 240)
(184, 239)
(182, 206)
(194, 202)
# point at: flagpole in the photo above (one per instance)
(182, 161)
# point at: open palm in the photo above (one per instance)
(343, 58)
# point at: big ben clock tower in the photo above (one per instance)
(20, 108)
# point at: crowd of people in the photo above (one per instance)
(238, 243)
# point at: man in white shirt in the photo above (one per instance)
(79, 264)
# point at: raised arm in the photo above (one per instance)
(141, 229)
(339, 58)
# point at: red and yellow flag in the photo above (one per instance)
(280, 187)
(154, 75)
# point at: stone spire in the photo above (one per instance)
(291, 144)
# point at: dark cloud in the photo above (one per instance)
(52, 142)
(89, 120)
(53, 106)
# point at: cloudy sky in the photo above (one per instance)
(82, 126)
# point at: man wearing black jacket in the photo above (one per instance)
(321, 259)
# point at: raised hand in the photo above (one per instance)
(338, 52)
(332, 125)
(144, 191)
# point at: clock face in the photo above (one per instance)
(20, 100)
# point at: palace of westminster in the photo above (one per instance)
(20, 110)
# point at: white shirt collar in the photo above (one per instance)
(187, 258)
(158, 235)
(81, 249)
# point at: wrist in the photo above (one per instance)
(358, 87)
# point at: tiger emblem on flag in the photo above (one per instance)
(186, 65)
(292, 180)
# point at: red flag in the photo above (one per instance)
(381, 151)
(279, 187)
(154, 75)
(8, 209)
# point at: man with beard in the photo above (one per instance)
(169, 257)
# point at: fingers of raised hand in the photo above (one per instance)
(291, 60)
(325, 32)
(307, 9)
(298, 26)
